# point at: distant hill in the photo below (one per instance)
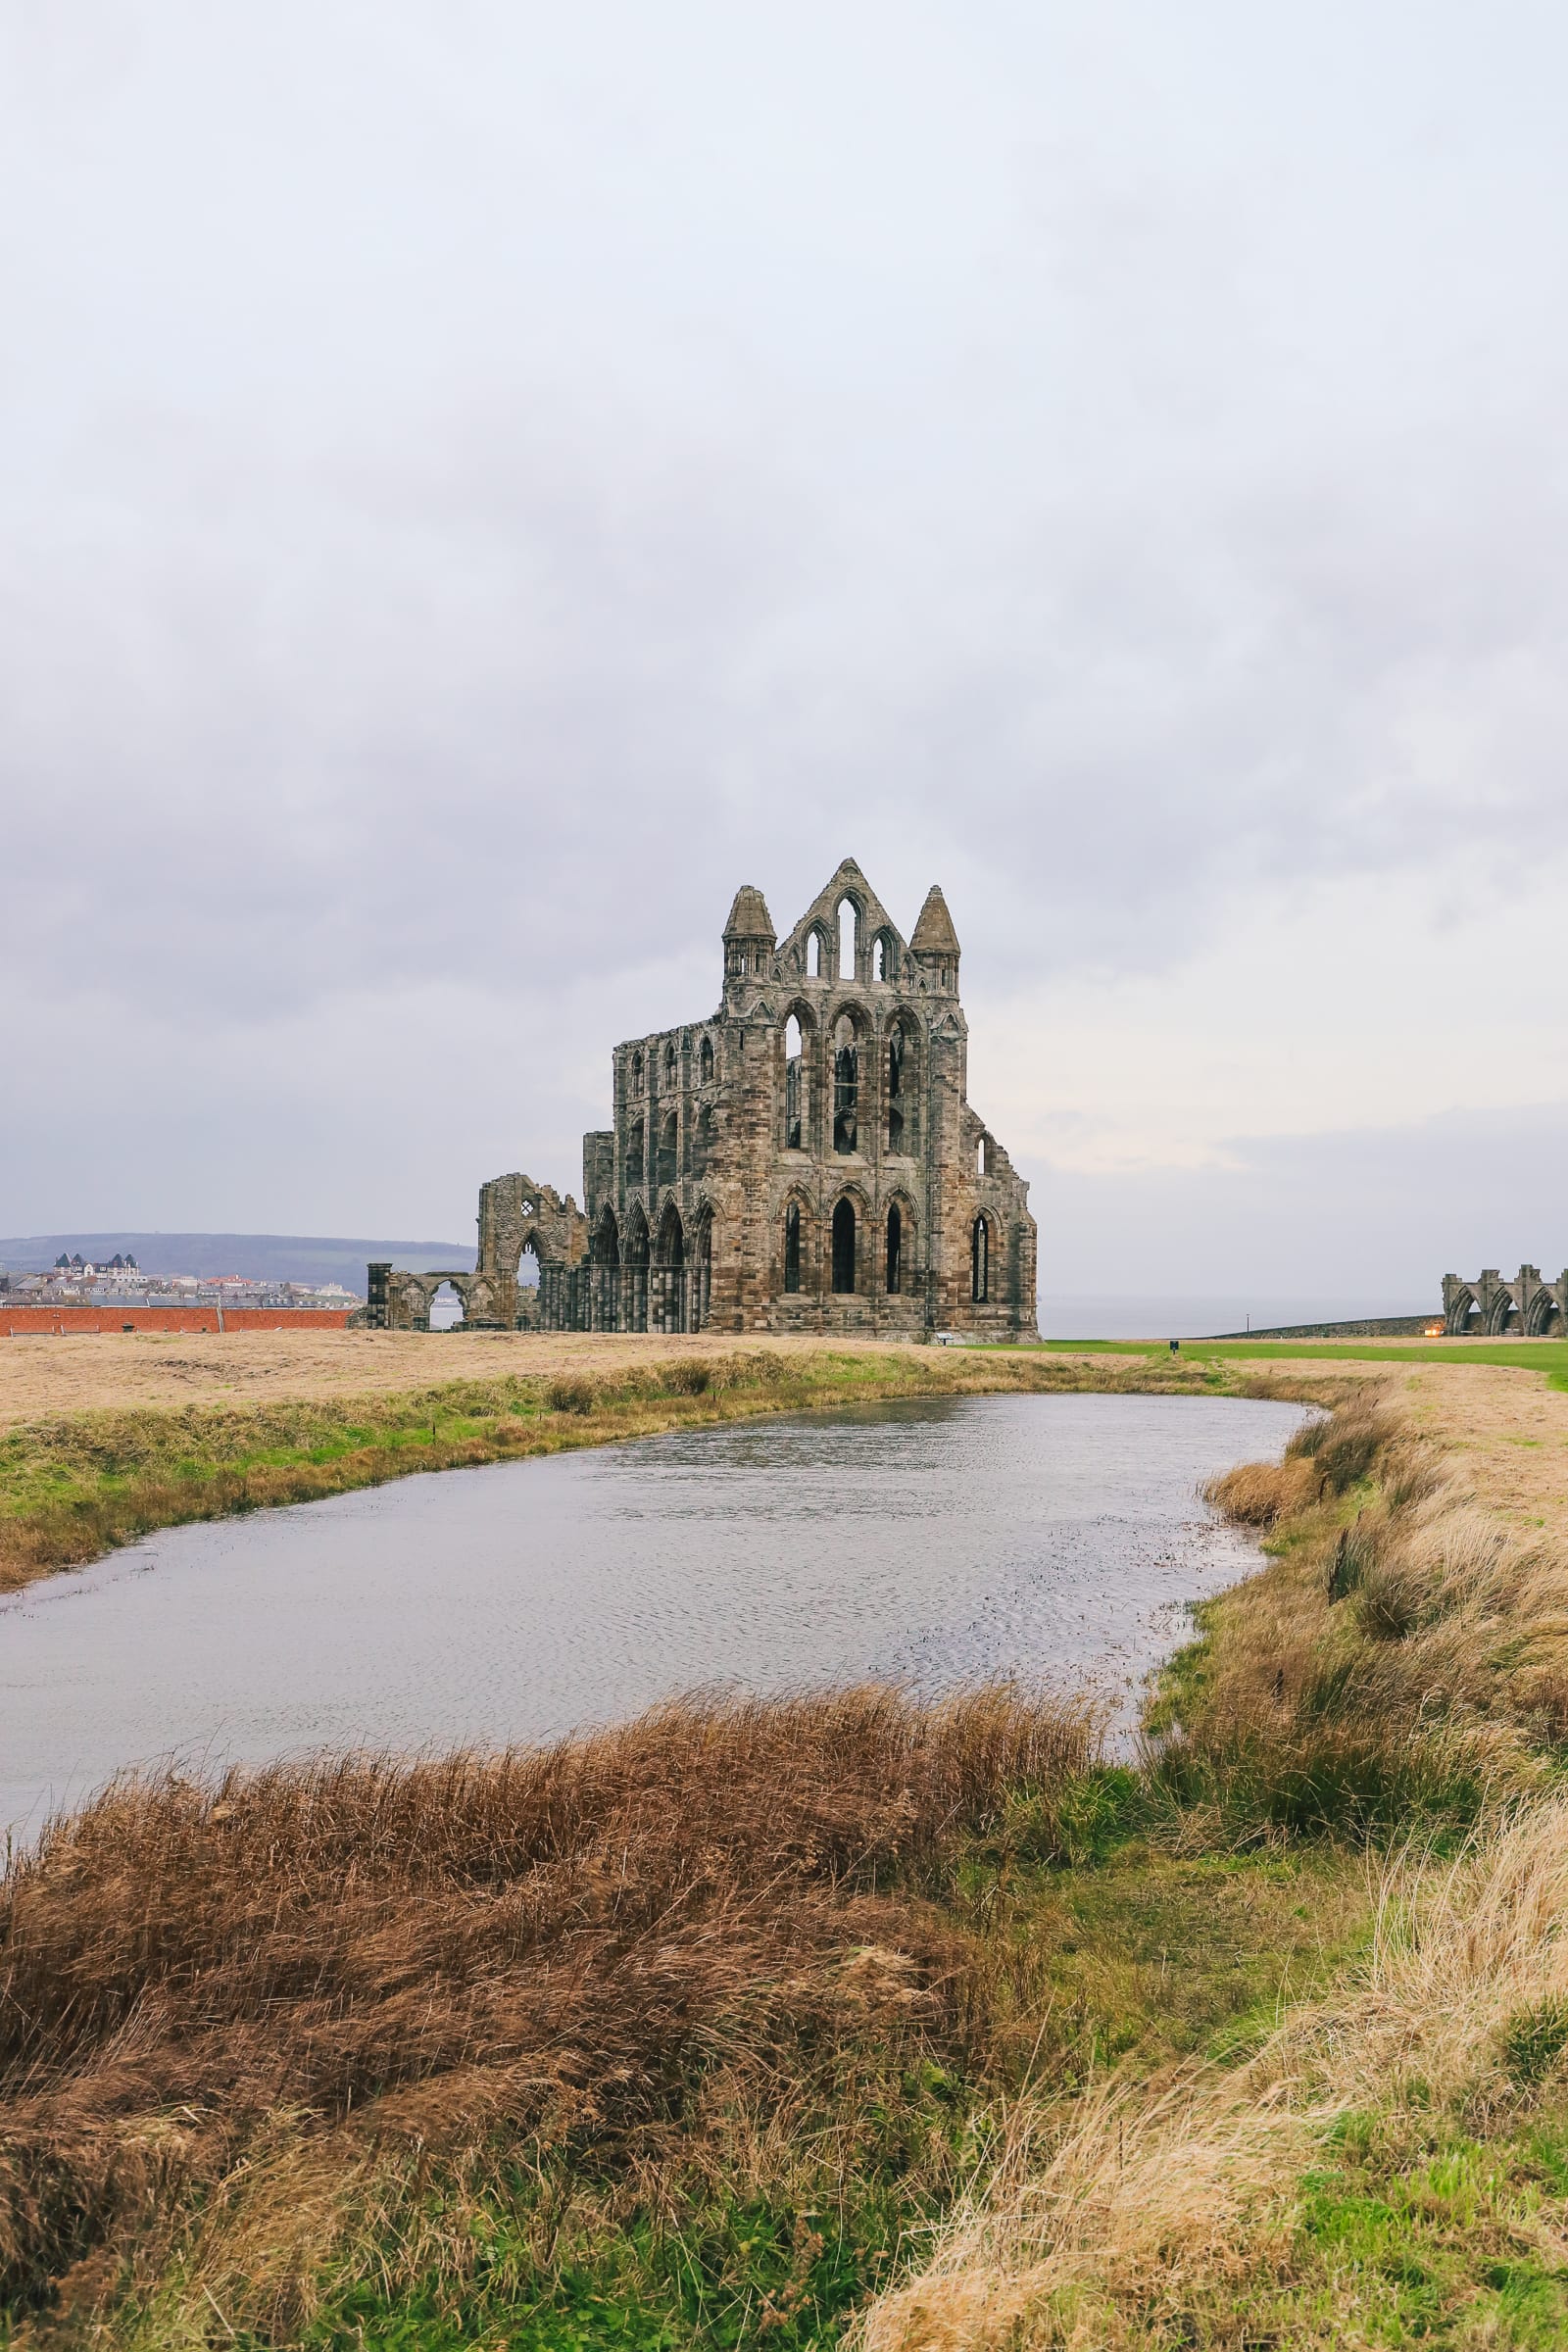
(265, 1256)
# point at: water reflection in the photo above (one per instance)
(1052, 1537)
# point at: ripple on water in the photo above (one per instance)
(1052, 1538)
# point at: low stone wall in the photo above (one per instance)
(1375, 1327)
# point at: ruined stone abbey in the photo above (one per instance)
(803, 1161)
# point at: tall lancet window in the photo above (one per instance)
(845, 1085)
(896, 1089)
(980, 1262)
(794, 1087)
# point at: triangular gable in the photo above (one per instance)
(823, 913)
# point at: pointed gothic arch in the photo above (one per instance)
(849, 1229)
(846, 1035)
(849, 917)
(666, 1281)
(797, 1244)
(797, 1088)
(668, 1165)
(900, 1235)
(701, 1278)
(980, 1257)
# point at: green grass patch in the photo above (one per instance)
(709, 2268)
(1409, 2237)
(1520, 1355)
(1147, 1956)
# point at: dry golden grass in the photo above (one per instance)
(1503, 1435)
(1113, 2222)
(1407, 1643)
(113, 1372)
(377, 1961)
(1256, 1494)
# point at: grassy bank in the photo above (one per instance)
(681, 2035)
(1389, 2168)
(74, 1485)
(1389, 2164)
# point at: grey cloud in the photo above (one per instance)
(478, 483)
(1378, 1214)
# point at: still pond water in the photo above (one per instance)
(1056, 1538)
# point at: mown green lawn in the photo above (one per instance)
(1530, 1356)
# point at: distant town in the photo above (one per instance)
(76, 1281)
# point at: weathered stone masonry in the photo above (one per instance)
(1527, 1304)
(806, 1160)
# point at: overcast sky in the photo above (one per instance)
(480, 481)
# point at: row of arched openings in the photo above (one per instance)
(846, 1082)
(845, 1254)
(647, 1275)
(640, 1247)
(836, 953)
(666, 1154)
(705, 1067)
(1541, 1319)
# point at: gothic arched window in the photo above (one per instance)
(844, 1247)
(794, 1086)
(895, 1088)
(845, 1085)
(980, 1262)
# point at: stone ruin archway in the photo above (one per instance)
(410, 1297)
(446, 1308)
(516, 1214)
(1527, 1308)
(666, 1280)
(699, 1285)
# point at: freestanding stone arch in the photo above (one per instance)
(514, 1214)
(1485, 1303)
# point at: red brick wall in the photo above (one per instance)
(16, 1320)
